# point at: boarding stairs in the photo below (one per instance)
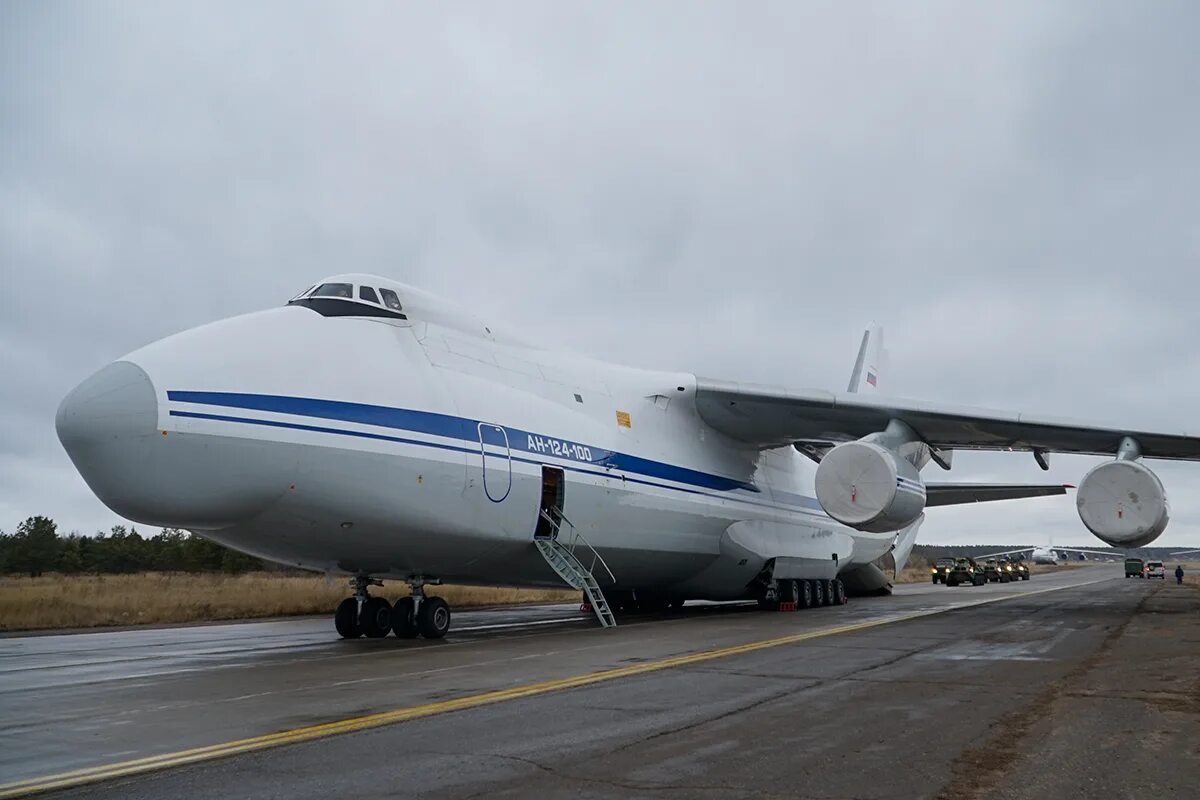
(565, 558)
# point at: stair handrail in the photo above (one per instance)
(577, 536)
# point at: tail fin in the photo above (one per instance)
(871, 360)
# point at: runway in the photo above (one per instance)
(884, 697)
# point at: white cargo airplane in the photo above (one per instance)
(1050, 553)
(370, 429)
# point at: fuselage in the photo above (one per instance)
(419, 441)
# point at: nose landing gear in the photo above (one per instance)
(375, 617)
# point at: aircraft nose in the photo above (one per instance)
(116, 403)
(106, 425)
(109, 426)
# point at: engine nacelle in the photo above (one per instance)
(1123, 503)
(868, 487)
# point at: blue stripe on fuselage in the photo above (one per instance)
(460, 428)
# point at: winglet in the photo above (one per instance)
(870, 362)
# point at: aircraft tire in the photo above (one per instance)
(839, 592)
(787, 591)
(433, 618)
(827, 592)
(376, 620)
(345, 619)
(403, 623)
(804, 594)
(818, 593)
(653, 604)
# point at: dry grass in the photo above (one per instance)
(61, 601)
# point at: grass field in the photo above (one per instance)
(86, 601)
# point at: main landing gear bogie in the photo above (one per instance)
(375, 617)
(796, 595)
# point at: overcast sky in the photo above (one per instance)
(731, 189)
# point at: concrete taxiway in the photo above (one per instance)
(933, 691)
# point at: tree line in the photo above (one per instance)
(37, 547)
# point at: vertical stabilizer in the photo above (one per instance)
(871, 360)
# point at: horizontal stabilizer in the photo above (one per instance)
(953, 494)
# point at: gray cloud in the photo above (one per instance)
(730, 190)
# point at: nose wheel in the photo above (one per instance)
(375, 617)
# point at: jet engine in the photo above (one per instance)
(869, 487)
(1123, 503)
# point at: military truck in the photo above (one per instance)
(1135, 568)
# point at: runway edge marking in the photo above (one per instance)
(141, 766)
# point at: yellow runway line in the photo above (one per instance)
(139, 766)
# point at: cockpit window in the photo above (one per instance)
(345, 290)
(368, 294)
(390, 299)
(306, 291)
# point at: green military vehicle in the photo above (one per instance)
(994, 572)
(1135, 568)
(940, 569)
(1018, 570)
(965, 570)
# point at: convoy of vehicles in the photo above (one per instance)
(960, 571)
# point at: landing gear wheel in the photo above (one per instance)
(622, 602)
(818, 593)
(433, 618)
(345, 619)
(804, 595)
(827, 588)
(787, 591)
(839, 592)
(376, 619)
(652, 603)
(404, 624)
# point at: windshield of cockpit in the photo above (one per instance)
(328, 298)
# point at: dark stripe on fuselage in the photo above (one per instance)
(461, 428)
(784, 498)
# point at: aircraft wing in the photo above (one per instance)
(1060, 549)
(951, 494)
(1056, 548)
(770, 416)
(1006, 552)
